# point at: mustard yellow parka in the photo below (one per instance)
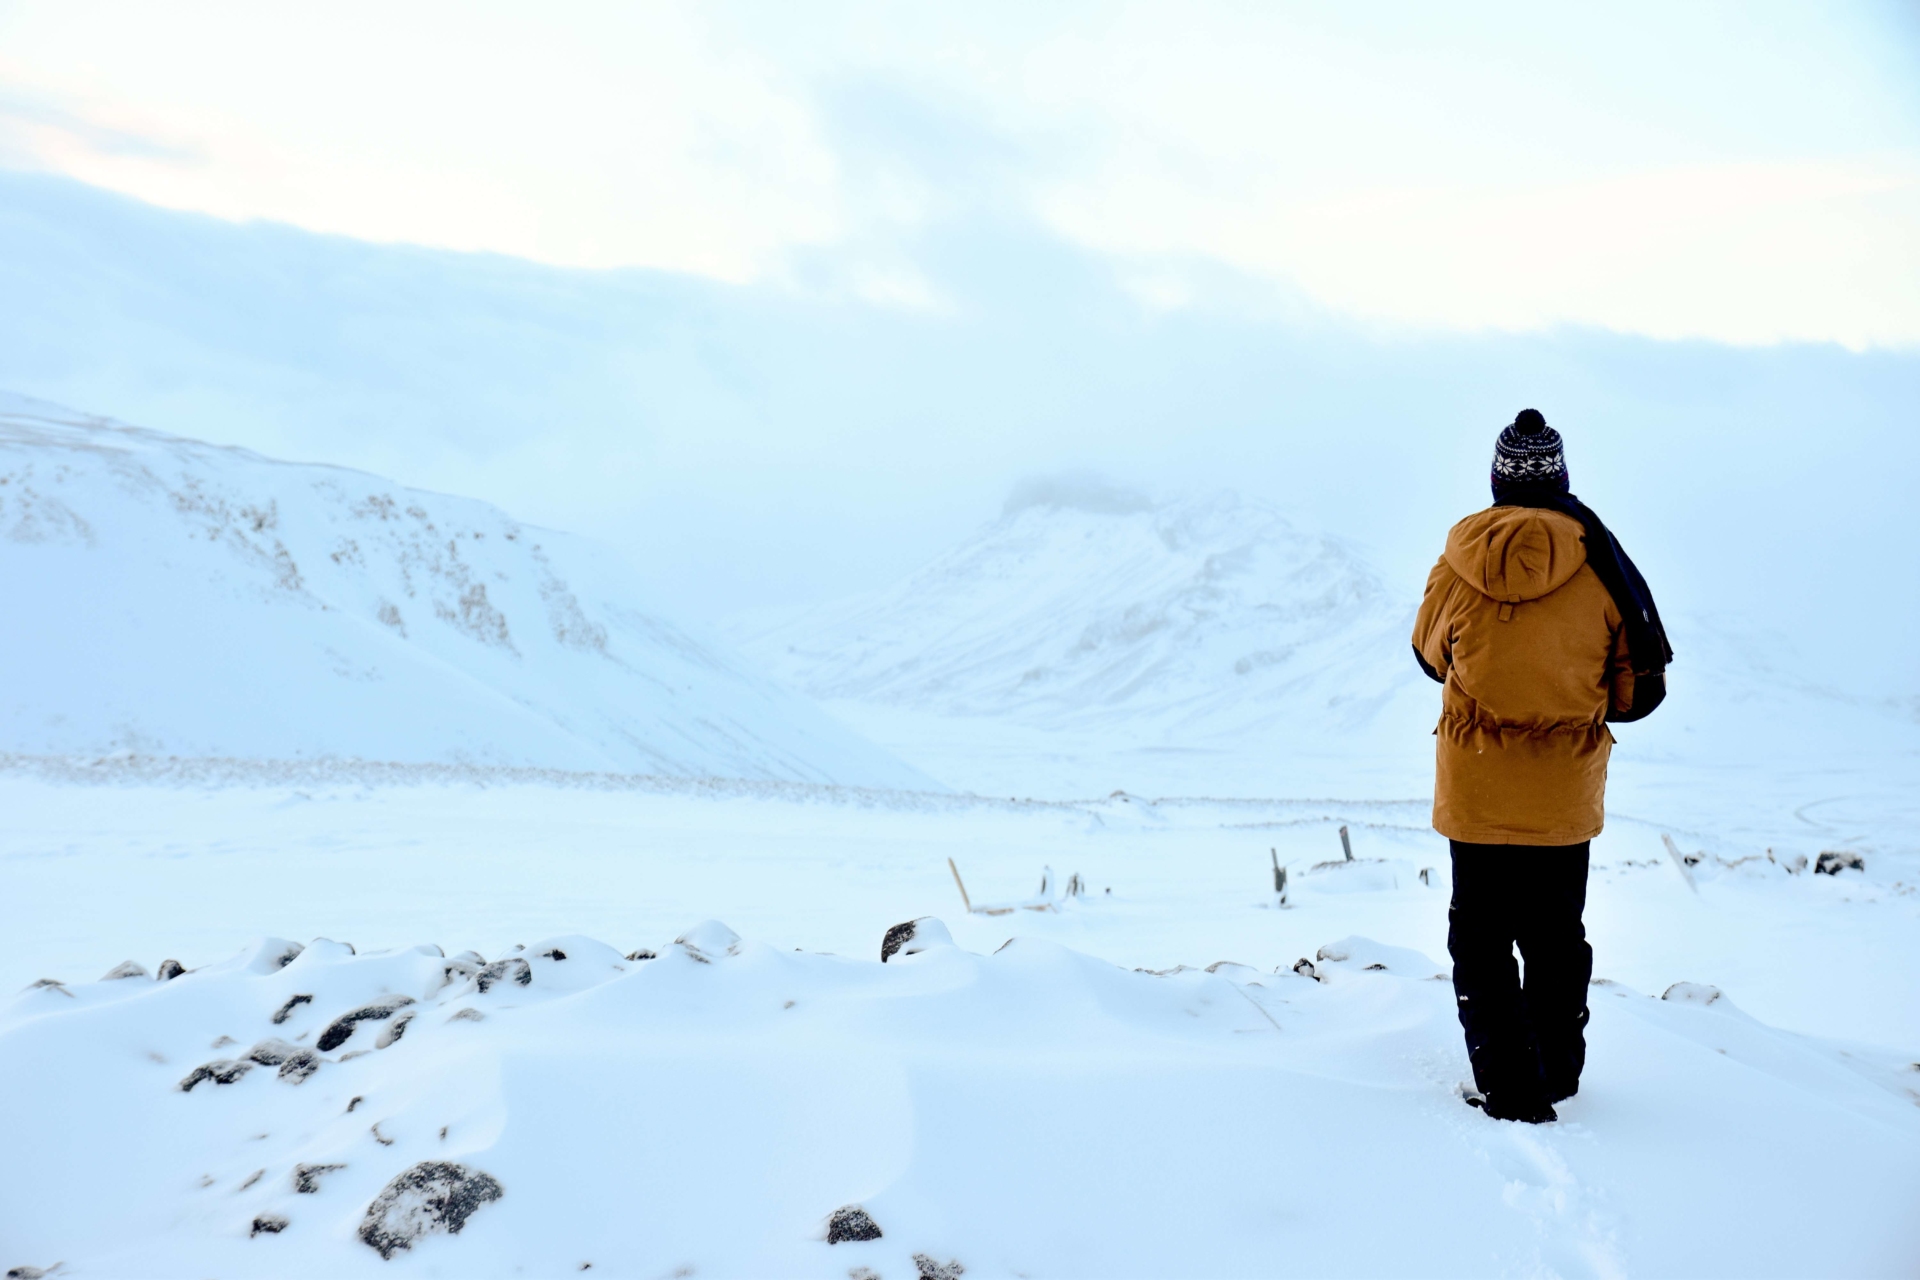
(1529, 646)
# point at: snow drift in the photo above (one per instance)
(730, 1109)
(167, 597)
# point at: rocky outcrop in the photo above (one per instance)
(306, 1177)
(914, 937)
(341, 1027)
(220, 1071)
(851, 1222)
(513, 969)
(432, 1197)
(285, 1011)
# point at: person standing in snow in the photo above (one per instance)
(1541, 632)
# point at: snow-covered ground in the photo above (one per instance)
(1034, 1109)
(216, 734)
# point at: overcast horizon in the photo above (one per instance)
(783, 308)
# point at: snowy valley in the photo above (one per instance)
(494, 796)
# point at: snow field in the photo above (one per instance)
(1034, 1111)
(1039, 1109)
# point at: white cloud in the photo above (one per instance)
(1747, 173)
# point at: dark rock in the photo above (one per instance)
(850, 1222)
(271, 1053)
(433, 1196)
(394, 1030)
(269, 1224)
(641, 954)
(341, 1027)
(554, 953)
(306, 1177)
(931, 1270)
(285, 1011)
(1834, 861)
(467, 1015)
(223, 1071)
(300, 1064)
(170, 969)
(125, 969)
(457, 969)
(1304, 967)
(357, 1100)
(913, 937)
(31, 1273)
(512, 969)
(51, 984)
(286, 955)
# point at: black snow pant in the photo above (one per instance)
(1531, 1037)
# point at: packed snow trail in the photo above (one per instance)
(1031, 1112)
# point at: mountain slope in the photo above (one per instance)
(1083, 607)
(171, 597)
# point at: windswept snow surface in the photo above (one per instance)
(1039, 1110)
(171, 598)
(1030, 1112)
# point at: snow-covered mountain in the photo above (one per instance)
(168, 597)
(1091, 639)
(1083, 606)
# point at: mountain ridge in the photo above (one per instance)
(232, 604)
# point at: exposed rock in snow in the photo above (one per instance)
(278, 953)
(285, 1011)
(914, 937)
(220, 1071)
(433, 1196)
(125, 969)
(300, 1064)
(271, 1053)
(1833, 861)
(306, 1177)
(393, 1030)
(1693, 993)
(512, 969)
(929, 1269)
(851, 1222)
(170, 969)
(269, 1224)
(342, 1027)
(709, 940)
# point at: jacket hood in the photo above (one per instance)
(1516, 553)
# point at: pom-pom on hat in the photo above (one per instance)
(1529, 452)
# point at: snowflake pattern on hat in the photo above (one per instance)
(1529, 452)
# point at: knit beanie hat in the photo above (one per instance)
(1529, 453)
